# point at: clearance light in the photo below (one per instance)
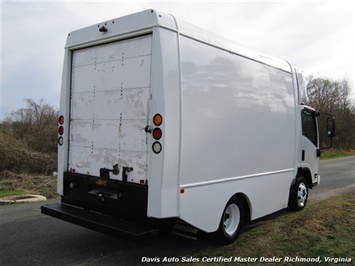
(61, 120)
(157, 133)
(156, 147)
(61, 130)
(157, 120)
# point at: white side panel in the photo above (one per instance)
(216, 40)
(109, 108)
(202, 205)
(163, 189)
(238, 121)
(64, 111)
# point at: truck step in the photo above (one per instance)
(96, 221)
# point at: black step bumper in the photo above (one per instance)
(96, 221)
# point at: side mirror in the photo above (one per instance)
(330, 130)
(331, 127)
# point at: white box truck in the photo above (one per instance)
(161, 120)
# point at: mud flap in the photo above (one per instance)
(185, 230)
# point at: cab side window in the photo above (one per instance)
(309, 129)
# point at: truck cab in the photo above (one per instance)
(310, 144)
(310, 151)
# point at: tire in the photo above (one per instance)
(231, 222)
(298, 194)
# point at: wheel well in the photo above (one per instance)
(246, 204)
(307, 175)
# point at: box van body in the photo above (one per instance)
(162, 120)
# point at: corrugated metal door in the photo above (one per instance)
(110, 90)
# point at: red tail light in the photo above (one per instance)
(61, 130)
(157, 133)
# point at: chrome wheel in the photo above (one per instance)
(302, 195)
(298, 194)
(231, 219)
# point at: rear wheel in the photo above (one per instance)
(298, 194)
(231, 221)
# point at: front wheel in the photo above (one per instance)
(298, 194)
(231, 221)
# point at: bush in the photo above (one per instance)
(35, 126)
(16, 157)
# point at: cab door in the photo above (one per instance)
(310, 143)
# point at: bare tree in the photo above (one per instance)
(333, 97)
(35, 125)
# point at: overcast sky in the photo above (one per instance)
(318, 37)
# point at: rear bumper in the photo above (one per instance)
(110, 197)
(97, 221)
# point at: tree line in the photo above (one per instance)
(34, 125)
(334, 97)
(28, 139)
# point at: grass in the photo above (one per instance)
(333, 154)
(324, 229)
(23, 170)
(18, 184)
(6, 193)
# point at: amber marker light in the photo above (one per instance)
(157, 120)
(61, 120)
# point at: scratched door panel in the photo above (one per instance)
(121, 135)
(86, 160)
(112, 75)
(122, 104)
(110, 91)
(122, 74)
(81, 133)
(83, 105)
(110, 52)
